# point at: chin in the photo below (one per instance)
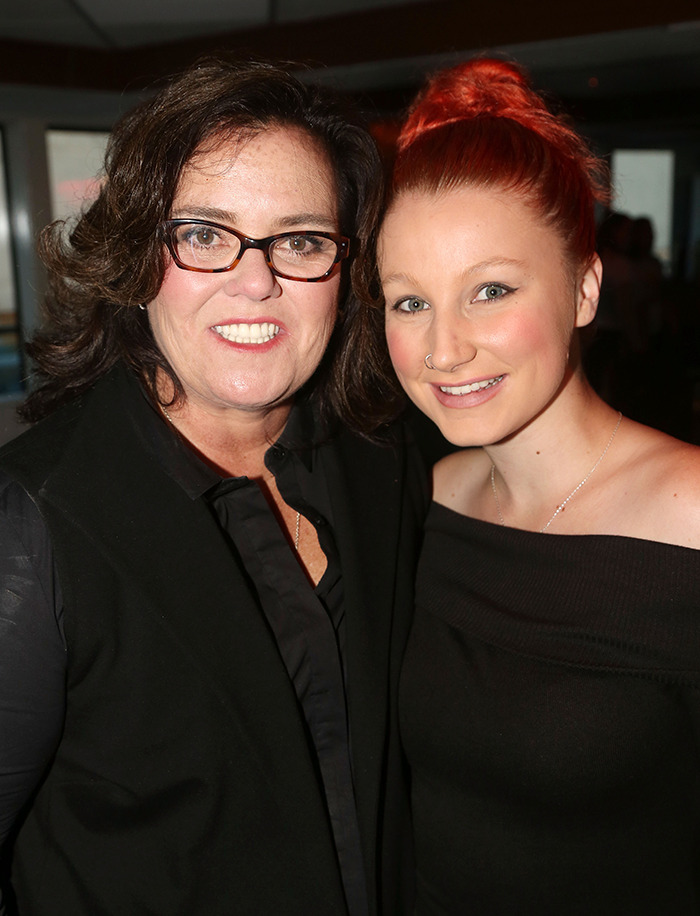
(461, 437)
(468, 433)
(462, 441)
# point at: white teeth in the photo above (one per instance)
(248, 333)
(475, 386)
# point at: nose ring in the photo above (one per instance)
(427, 362)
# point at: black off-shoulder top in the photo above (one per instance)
(550, 711)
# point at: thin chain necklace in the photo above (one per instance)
(297, 526)
(573, 492)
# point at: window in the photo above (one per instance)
(643, 186)
(75, 162)
(10, 366)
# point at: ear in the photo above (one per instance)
(588, 292)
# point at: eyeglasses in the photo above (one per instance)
(211, 248)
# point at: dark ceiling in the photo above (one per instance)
(631, 61)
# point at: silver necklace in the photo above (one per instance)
(297, 527)
(573, 492)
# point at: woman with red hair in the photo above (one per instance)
(550, 691)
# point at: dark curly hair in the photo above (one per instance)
(113, 259)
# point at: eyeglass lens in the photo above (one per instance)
(303, 255)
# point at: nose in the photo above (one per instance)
(252, 278)
(452, 343)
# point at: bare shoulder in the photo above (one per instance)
(458, 475)
(661, 481)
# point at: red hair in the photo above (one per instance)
(482, 124)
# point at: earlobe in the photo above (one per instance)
(588, 293)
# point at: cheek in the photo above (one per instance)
(327, 308)
(178, 293)
(402, 348)
(175, 283)
(317, 308)
(526, 337)
(528, 334)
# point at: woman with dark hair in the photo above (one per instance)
(550, 704)
(207, 576)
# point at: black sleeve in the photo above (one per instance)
(32, 651)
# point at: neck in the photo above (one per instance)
(230, 440)
(536, 470)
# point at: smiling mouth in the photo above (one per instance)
(475, 386)
(248, 333)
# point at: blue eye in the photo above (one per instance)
(411, 304)
(492, 291)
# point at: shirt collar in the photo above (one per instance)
(183, 464)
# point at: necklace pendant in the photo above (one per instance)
(573, 493)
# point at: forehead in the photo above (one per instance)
(279, 166)
(465, 219)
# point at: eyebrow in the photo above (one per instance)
(487, 264)
(229, 218)
(490, 263)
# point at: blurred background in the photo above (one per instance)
(627, 72)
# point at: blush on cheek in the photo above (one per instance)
(528, 335)
(403, 353)
(540, 341)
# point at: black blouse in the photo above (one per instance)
(308, 623)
